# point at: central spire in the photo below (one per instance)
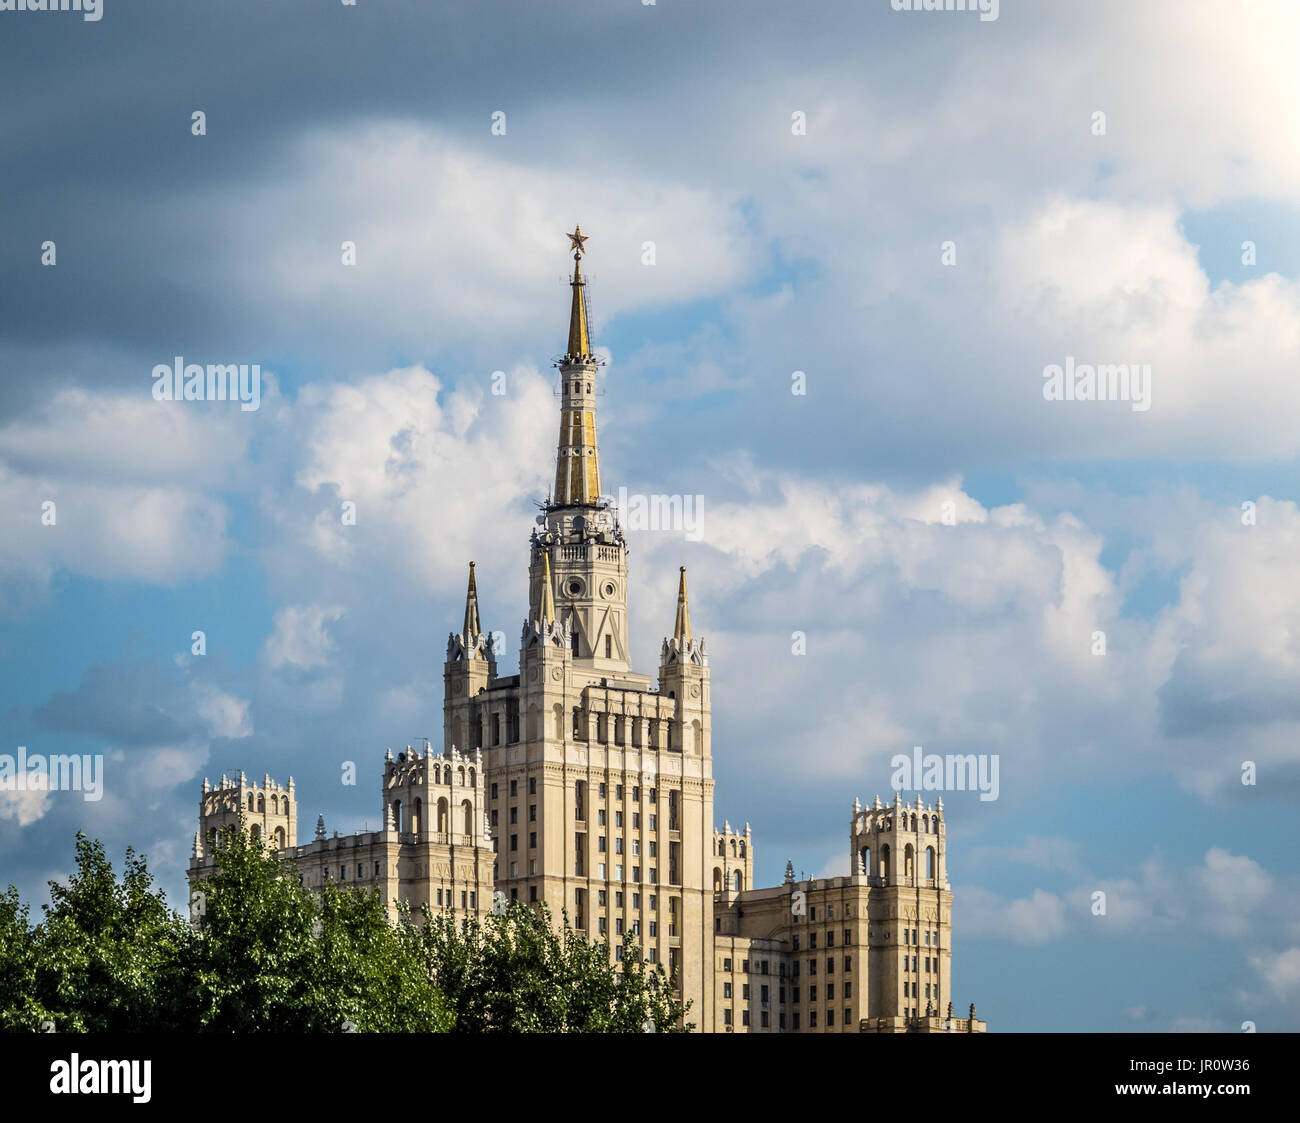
(579, 337)
(577, 459)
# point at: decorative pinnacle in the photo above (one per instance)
(546, 608)
(682, 629)
(472, 628)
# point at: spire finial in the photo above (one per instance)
(472, 628)
(546, 609)
(682, 629)
(579, 336)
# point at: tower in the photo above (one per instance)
(900, 851)
(600, 792)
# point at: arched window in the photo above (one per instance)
(929, 862)
(250, 801)
(884, 862)
(442, 816)
(742, 849)
(473, 783)
(397, 814)
(913, 824)
(737, 884)
(257, 830)
(460, 776)
(907, 861)
(261, 803)
(417, 815)
(717, 880)
(733, 847)
(467, 810)
(279, 838)
(866, 859)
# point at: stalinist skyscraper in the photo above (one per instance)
(583, 784)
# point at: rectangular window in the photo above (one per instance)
(848, 990)
(532, 812)
(514, 787)
(654, 822)
(462, 898)
(579, 799)
(830, 965)
(600, 898)
(726, 1017)
(514, 842)
(744, 990)
(654, 928)
(830, 1018)
(532, 892)
(726, 990)
(601, 871)
(618, 791)
(744, 1017)
(796, 1020)
(812, 939)
(532, 866)
(812, 994)
(514, 815)
(848, 936)
(600, 924)
(600, 817)
(618, 818)
(494, 791)
(830, 939)
(618, 846)
(812, 1019)
(602, 791)
(532, 840)
(494, 817)
(636, 820)
(608, 647)
(600, 843)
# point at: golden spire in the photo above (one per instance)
(547, 604)
(472, 627)
(579, 337)
(682, 630)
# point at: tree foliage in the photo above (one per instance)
(261, 952)
(518, 972)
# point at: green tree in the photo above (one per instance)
(517, 972)
(99, 959)
(269, 954)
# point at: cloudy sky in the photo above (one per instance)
(1116, 182)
